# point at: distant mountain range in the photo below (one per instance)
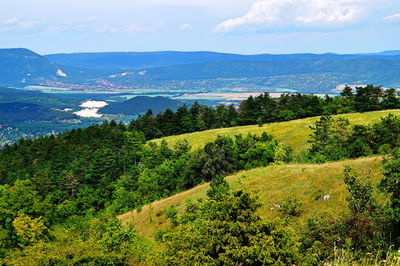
(140, 105)
(138, 60)
(317, 73)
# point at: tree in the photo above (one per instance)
(390, 185)
(29, 230)
(359, 192)
(330, 138)
(368, 98)
(347, 92)
(218, 188)
(224, 230)
(262, 154)
(217, 158)
(391, 99)
(20, 212)
(361, 225)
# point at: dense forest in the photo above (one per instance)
(59, 195)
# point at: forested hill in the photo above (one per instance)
(60, 195)
(22, 112)
(22, 66)
(9, 95)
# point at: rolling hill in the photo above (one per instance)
(306, 182)
(22, 66)
(140, 105)
(293, 133)
(274, 183)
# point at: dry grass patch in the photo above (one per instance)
(306, 182)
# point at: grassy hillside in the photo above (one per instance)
(293, 133)
(305, 182)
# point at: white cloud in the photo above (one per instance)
(126, 28)
(393, 17)
(11, 21)
(24, 25)
(185, 27)
(14, 24)
(268, 14)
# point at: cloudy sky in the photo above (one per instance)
(238, 26)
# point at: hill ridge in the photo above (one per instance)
(293, 133)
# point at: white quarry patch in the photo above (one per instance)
(91, 109)
(60, 73)
(88, 112)
(120, 75)
(93, 104)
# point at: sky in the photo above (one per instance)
(232, 26)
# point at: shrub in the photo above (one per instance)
(291, 206)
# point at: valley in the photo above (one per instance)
(171, 132)
(141, 158)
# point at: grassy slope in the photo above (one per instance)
(293, 133)
(273, 183)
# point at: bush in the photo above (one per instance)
(226, 231)
(291, 206)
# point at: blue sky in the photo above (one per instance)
(237, 26)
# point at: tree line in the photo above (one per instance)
(264, 109)
(336, 139)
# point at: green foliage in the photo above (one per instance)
(330, 138)
(101, 241)
(171, 215)
(390, 185)
(21, 215)
(319, 237)
(226, 231)
(29, 230)
(368, 98)
(218, 188)
(264, 109)
(335, 139)
(291, 206)
(360, 192)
